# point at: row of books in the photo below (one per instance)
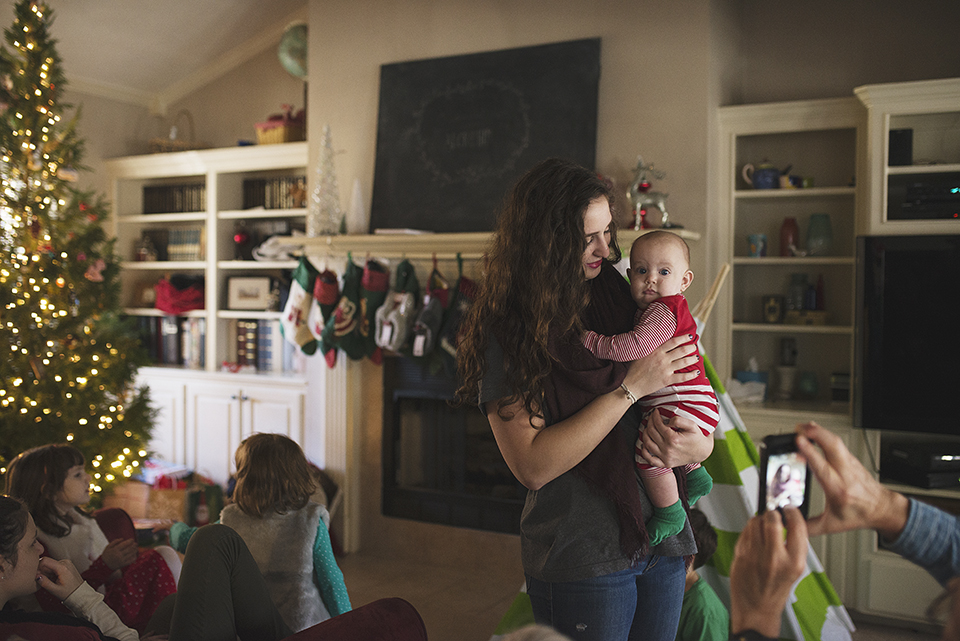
(174, 243)
(284, 192)
(174, 199)
(255, 345)
(172, 340)
(258, 345)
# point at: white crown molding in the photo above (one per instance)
(119, 93)
(230, 60)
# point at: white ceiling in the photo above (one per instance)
(153, 52)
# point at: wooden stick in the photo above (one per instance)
(705, 306)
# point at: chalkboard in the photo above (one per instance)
(455, 133)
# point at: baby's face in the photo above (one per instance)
(657, 268)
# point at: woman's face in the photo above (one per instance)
(596, 229)
(21, 579)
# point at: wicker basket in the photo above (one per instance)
(172, 144)
(284, 127)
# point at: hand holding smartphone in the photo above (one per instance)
(784, 475)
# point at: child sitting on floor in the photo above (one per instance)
(52, 482)
(284, 530)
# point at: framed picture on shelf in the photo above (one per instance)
(250, 292)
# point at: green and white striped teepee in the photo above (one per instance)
(814, 610)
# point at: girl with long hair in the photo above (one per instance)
(52, 482)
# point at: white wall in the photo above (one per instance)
(825, 48)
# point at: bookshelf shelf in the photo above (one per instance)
(257, 190)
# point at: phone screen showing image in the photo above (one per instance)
(786, 480)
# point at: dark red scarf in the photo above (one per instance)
(578, 377)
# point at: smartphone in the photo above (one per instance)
(784, 475)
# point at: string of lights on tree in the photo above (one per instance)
(67, 357)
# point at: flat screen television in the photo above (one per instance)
(907, 350)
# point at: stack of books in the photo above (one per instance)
(172, 340)
(185, 243)
(174, 199)
(284, 192)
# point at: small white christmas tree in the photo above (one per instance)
(325, 216)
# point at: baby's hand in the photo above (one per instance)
(120, 553)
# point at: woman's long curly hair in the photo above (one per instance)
(534, 283)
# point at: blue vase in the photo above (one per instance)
(819, 235)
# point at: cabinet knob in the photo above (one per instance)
(233, 397)
(244, 397)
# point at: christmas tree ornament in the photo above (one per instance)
(324, 216)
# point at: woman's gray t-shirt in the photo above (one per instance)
(569, 532)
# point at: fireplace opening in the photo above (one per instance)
(441, 464)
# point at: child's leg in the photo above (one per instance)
(699, 483)
(222, 594)
(668, 513)
(172, 559)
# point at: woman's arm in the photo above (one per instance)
(61, 579)
(537, 456)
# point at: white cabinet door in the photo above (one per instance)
(212, 428)
(167, 396)
(275, 410)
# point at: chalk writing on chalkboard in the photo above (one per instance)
(455, 133)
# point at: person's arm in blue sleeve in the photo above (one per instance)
(931, 539)
(180, 534)
(327, 574)
(856, 500)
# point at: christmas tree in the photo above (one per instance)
(68, 358)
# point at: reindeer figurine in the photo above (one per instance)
(641, 197)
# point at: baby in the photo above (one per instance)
(659, 272)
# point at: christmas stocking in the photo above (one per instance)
(293, 321)
(430, 318)
(326, 293)
(373, 293)
(463, 296)
(396, 316)
(339, 330)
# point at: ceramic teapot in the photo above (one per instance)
(763, 176)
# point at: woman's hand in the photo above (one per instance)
(659, 368)
(59, 578)
(120, 553)
(765, 567)
(675, 442)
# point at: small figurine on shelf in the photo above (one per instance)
(642, 198)
(146, 251)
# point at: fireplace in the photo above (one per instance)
(441, 463)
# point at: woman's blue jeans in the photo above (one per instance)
(642, 602)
